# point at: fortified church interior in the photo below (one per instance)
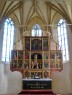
(36, 46)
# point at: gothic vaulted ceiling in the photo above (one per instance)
(31, 11)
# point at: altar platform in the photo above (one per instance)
(37, 84)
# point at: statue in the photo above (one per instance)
(35, 63)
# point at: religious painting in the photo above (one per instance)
(20, 54)
(46, 74)
(20, 62)
(58, 55)
(36, 44)
(46, 55)
(27, 43)
(46, 64)
(26, 64)
(36, 75)
(26, 74)
(52, 63)
(52, 54)
(26, 54)
(58, 64)
(13, 64)
(45, 44)
(14, 54)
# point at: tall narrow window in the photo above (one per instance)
(62, 39)
(7, 39)
(36, 30)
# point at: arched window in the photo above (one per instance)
(62, 39)
(36, 30)
(7, 39)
